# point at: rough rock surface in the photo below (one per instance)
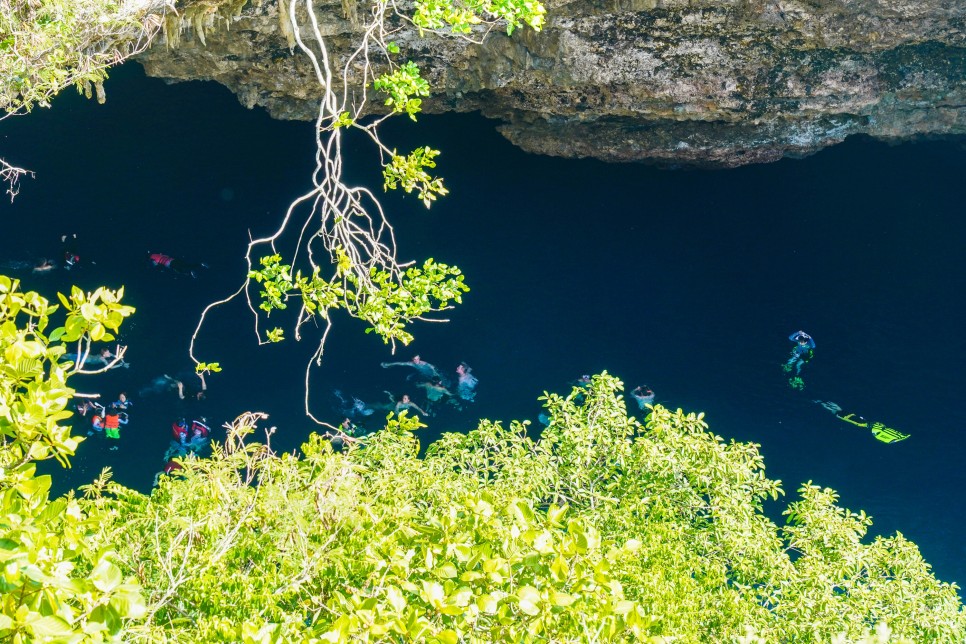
(690, 82)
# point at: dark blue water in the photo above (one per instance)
(688, 281)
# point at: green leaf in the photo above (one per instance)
(561, 599)
(447, 636)
(50, 627)
(106, 576)
(529, 600)
(446, 571)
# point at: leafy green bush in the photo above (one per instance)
(601, 530)
(59, 580)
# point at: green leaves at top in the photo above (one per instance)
(461, 17)
(47, 46)
(404, 86)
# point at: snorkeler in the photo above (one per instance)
(179, 429)
(466, 382)
(353, 408)
(404, 404)
(881, 432)
(199, 435)
(199, 427)
(123, 402)
(43, 266)
(802, 352)
(195, 391)
(177, 265)
(580, 386)
(177, 449)
(113, 419)
(424, 369)
(171, 467)
(97, 420)
(643, 396)
(69, 251)
(35, 266)
(583, 381)
(103, 360)
(349, 428)
(435, 390)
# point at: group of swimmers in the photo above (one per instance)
(438, 390)
(106, 420)
(71, 258)
(190, 433)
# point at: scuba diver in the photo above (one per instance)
(802, 352)
(879, 430)
(177, 265)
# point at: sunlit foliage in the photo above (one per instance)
(600, 530)
(59, 580)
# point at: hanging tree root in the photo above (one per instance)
(345, 242)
